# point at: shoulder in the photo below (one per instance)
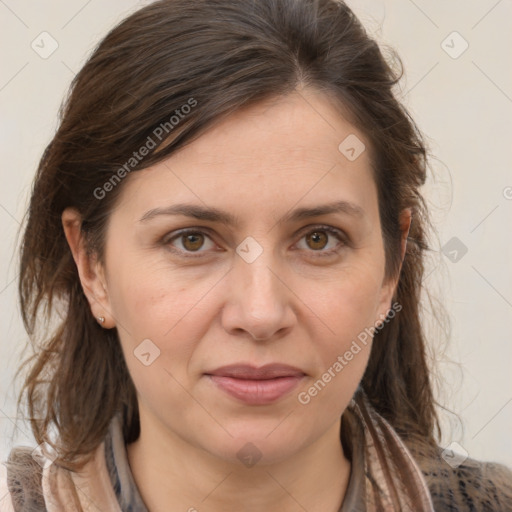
(20, 482)
(471, 486)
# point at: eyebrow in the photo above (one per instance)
(216, 215)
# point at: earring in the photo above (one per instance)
(101, 319)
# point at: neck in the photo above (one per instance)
(313, 479)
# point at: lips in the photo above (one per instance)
(256, 386)
(269, 371)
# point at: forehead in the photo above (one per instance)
(271, 155)
(302, 125)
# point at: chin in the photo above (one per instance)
(255, 444)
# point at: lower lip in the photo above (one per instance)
(257, 392)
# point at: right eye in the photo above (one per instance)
(190, 240)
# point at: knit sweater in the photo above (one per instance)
(107, 484)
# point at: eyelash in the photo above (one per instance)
(320, 253)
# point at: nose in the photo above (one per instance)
(259, 302)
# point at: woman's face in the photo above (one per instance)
(283, 264)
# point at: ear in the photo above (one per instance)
(90, 271)
(390, 284)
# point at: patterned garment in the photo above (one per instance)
(384, 476)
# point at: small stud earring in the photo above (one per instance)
(101, 319)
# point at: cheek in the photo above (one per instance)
(346, 310)
(349, 301)
(348, 313)
(148, 301)
(158, 336)
(159, 311)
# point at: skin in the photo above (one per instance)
(290, 305)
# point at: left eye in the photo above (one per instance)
(318, 239)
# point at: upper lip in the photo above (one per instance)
(248, 372)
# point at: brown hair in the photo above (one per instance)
(217, 56)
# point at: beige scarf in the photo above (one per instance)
(393, 480)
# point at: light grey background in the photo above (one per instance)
(462, 103)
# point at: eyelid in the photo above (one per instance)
(323, 227)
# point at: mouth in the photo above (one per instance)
(256, 386)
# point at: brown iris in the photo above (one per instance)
(318, 238)
(193, 241)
